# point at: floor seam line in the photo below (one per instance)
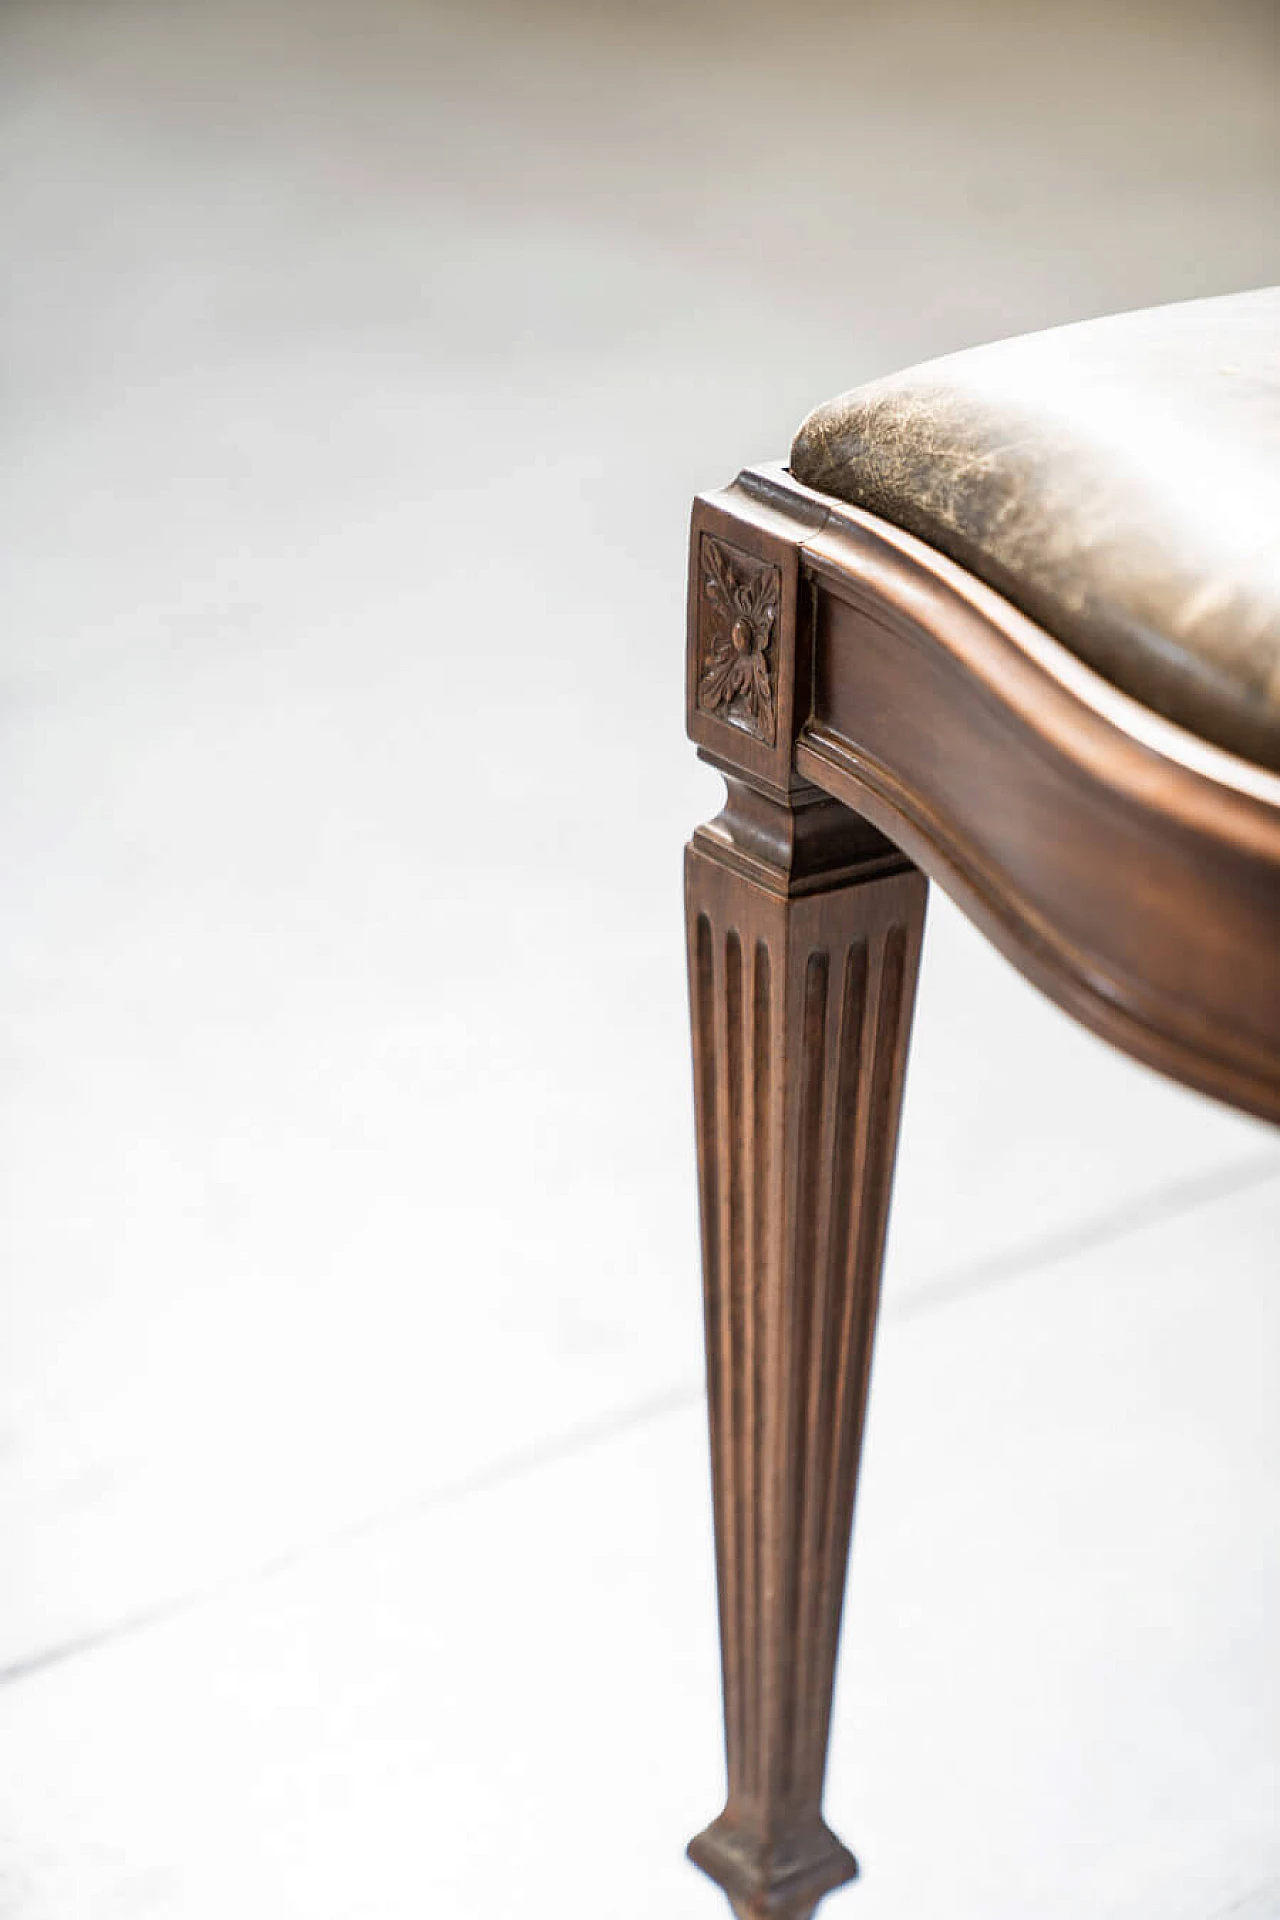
(1156, 1208)
(500, 1473)
(1151, 1211)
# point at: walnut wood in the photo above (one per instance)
(802, 977)
(1130, 869)
(804, 941)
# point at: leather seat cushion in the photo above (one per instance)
(1118, 480)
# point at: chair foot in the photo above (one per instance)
(773, 1881)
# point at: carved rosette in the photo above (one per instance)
(738, 604)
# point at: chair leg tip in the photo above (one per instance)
(777, 1879)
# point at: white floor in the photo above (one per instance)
(362, 360)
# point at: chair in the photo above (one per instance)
(1009, 620)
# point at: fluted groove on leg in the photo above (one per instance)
(801, 1007)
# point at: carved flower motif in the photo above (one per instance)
(736, 679)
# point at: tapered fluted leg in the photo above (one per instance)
(804, 938)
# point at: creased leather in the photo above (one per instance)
(1119, 480)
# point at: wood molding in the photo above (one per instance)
(1129, 869)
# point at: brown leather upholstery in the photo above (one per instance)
(1118, 480)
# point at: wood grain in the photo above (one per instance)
(801, 1007)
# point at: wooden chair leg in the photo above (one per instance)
(804, 940)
